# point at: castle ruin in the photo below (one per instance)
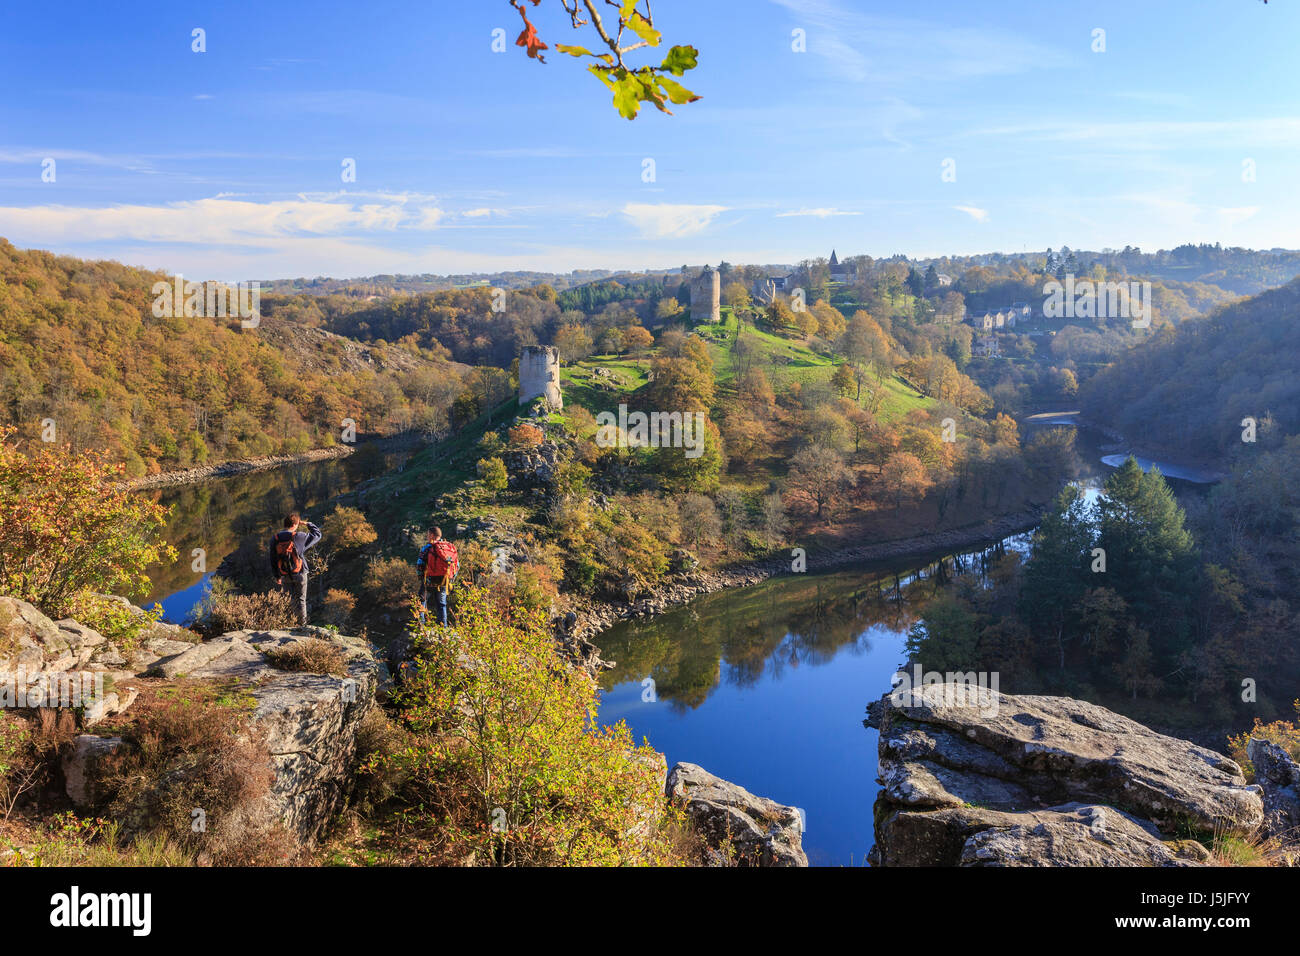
(539, 375)
(706, 297)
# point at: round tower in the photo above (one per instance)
(706, 297)
(539, 375)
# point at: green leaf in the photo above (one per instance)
(627, 97)
(628, 6)
(573, 50)
(680, 59)
(643, 29)
(676, 92)
(602, 73)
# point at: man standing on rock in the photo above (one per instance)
(437, 566)
(289, 559)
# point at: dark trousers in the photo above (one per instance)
(298, 594)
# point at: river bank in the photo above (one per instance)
(245, 466)
(592, 616)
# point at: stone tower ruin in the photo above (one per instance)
(539, 375)
(706, 297)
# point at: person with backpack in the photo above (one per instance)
(288, 555)
(437, 566)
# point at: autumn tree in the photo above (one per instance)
(736, 296)
(637, 339)
(903, 476)
(67, 528)
(573, 342)
(820, 473)
(843, 380)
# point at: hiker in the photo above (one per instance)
(289, 559)
(437, 566)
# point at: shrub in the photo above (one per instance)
(116, 620)
(490, 445)
(524, 436)
(390, 582)
(337, 607)
(189, 747)
(534, 590)
(348, 529)
(225, 610)
(492, 472)
(1284, 733)
(507, 729)
(311, 656)
(20, 767)
(66, 528)
(475, 561)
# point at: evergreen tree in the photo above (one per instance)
(1059, 570)
(1150, 557)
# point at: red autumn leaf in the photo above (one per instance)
(531, 41)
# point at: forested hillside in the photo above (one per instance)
(81, 352)
(1189, 388)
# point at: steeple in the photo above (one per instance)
(834, 260)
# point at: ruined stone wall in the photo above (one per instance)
(539, 375)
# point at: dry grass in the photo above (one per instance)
(225, 611)
(312, 656)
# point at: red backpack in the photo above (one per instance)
(287, 559)
(443, 562)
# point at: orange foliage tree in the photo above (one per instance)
(66, 529)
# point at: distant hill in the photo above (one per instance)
(1189, 388)
(81, 353)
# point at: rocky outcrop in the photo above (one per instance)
(1278, 775)
(309, 721)
(971, 777)
(50, 661)
(761, 832)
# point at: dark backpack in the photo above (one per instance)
(287, 558)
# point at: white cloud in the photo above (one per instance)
(215, 220)
(821, 213)
(667, 221)
(1238, 214)
(979, 215)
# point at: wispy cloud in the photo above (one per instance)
(976, 213)
(667, 221)
(1147, 134)
(860, 46)
(824, 212)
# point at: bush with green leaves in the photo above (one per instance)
(509, 733)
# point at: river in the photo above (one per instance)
(215, 515)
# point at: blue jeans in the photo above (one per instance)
(435, 590)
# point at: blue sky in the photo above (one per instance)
(226, 164)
